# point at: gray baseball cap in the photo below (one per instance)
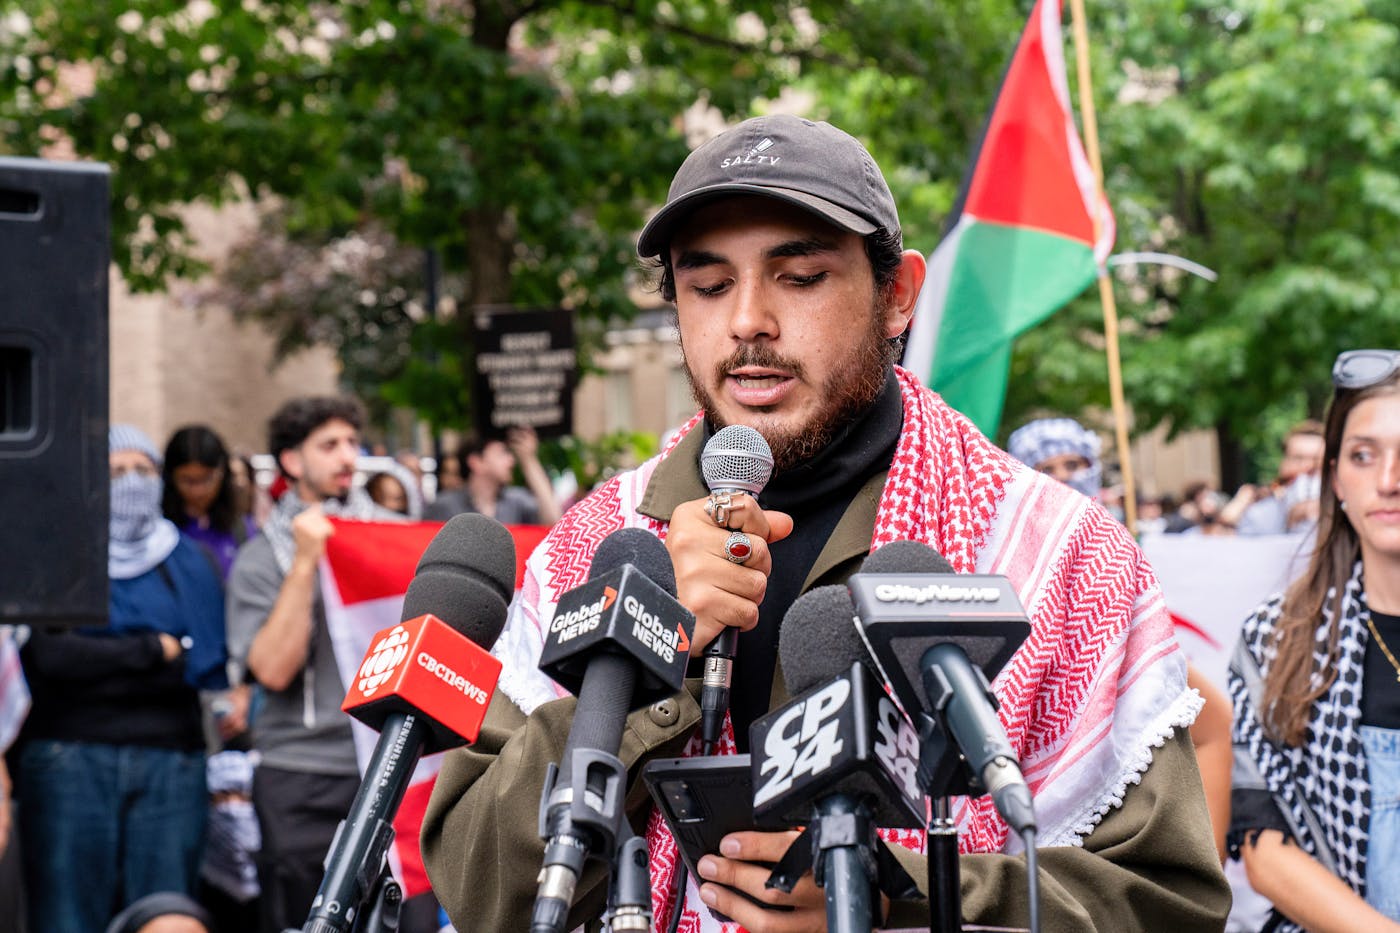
(813, 165)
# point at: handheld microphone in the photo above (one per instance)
(839, 759)
(736, 459)
(940, 637)
(619, 642)
(424, 685)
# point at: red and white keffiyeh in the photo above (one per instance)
(1096, 687)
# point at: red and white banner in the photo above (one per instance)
(366, 571)
(1212, 584)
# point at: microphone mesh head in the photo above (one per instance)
(737, 459)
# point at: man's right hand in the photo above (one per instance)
(310, 530)
(722, 593)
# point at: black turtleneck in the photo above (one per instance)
(815, 493)
(1380, 692)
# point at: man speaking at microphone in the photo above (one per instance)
(780, 246)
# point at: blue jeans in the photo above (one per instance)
(104, 825)
(1383, 836)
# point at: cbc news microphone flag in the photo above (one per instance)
(1020, 240)
(365, 574)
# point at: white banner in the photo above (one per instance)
(1212, 584)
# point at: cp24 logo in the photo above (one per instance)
(808, 749)
(897, 747)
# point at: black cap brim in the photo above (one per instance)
(657, 234)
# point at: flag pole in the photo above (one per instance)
(1110, 308)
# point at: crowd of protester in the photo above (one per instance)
(185, 767)
(190, 761)
(1285, 504)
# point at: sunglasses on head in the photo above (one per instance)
(1358, 369)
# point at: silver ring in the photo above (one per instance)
(738, 548)
(717, 507)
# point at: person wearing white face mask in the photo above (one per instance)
(110, 781)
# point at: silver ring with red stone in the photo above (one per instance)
(738, 548)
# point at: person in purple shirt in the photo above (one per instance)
(199, 499)
(199, 494)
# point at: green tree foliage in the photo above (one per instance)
(524, 140)
(1259, 139)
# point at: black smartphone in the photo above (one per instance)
(702, 800)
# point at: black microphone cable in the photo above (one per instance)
(682, 880)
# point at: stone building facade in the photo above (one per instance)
(177, 360)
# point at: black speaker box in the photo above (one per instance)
(54, 256)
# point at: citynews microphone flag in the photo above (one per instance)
(364, 576)
(1021, 240)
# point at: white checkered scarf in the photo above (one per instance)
(1096, 687)
(278, 527)
(1326, 775)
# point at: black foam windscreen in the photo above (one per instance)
(466, 578)
(906, 557)
(642, 550)
(818, 639)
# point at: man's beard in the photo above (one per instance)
(326, 490)
(851, 389)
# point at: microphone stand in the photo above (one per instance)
(630, 900)
(944, 774)
(385, 905)
(356, 866)
(844, 864)
(944, 871)
(382, 908)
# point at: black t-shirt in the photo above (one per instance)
(1380, 692)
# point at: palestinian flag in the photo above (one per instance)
(364, 576)
(1020, 242)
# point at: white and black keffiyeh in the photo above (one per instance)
(1320, 790)
(1037, 441)
(278, 528)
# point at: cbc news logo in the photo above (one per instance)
(380, 665)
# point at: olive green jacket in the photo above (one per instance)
(1149, 865)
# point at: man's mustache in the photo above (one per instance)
(758, 355)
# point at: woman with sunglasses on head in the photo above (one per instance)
(1316, 685)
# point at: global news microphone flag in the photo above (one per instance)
(364, 576)
(1020, 242)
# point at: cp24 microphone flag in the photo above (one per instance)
(364, 576)
(1020, 242)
